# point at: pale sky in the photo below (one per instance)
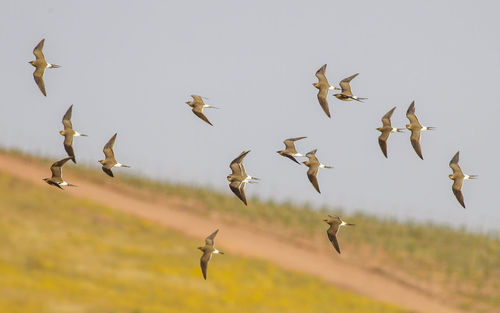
(129, 67)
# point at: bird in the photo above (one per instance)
(386, 130)
(56, 179)
(208, 249)
(41, 64)
(198, 105)
(458, 178)
(69, 133)
(239, 177)
(314, 166)
(346, 94)
(110, 161)
(323, 86)
(335, 223)
(290, 151)
(415, 127)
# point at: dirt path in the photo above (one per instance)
(241, 241)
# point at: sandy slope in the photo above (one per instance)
(242, 241)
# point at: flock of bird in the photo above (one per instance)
(239, 178)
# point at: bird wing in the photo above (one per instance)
(68, 145)
(108, 148)
(197, 100)
(320, 74)
(291, 158)
(457, 190)
(210, 239)
(415, 142)
(322, 98)
(312, 173)
(410, 114)
(346, 87)
(198, 111)
(332, 235)
(290, 143)
(67, 118)
(205, 258)
(386, 119)
(454, 165)
(382, 141)
(38, 76)
(238, 189)
(37, 51)
(108, 171)
(56, 168)
(237, 166)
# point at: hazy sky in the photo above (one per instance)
(128, 67)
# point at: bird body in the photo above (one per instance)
(290, 151)
(56, 178)
(40, 64)
(314, 165)
(458, 178)
(386, 130)
(416, 128)
(208, 250)
(239, 177)
(69, 133)
(335, 223)
(197, 106)
(109, 162)
(346, 93)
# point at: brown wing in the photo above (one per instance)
(205, 258)
(210, 239)
(237, 166)
(323, 101)
(198, 111)
(238, 189)
(320, 74)
(290, 143)
(56, 170)
(312, 173)
(291, 158)
(332, 235)
(382, 141)
(386, 119)
(415, 142)
(312, 156)
(37, 51)
(346, 87)
(68, 146)
(67, 118)
(457, 190)
(410, 114)
(454, 165)
(197, 100)
(108, 148)
(38, 76)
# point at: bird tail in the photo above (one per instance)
(211, 107)
(122, 165)
(349, 224)
(71, 185)
(358, 98)
(400, 130)
(472, 176)
(430, 128)
(54, 66)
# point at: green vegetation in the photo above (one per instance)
(463, 265)
(61, 254)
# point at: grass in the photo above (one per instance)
(61, 254)
(465, 264)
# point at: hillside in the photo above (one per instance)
(427, 262)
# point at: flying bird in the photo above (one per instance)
(314, 165)
(110, 161)
(239, 177)
(346, 93)
(41, 64)
(198, 105)
(335, 223)
(56, 179)
(458, 178)
(290, 151)
(208, 250)
(415, 127)
(386, 130)
(69, 133)
(323, 86)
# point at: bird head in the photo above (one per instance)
(451, 176)
(32, 63)
(101, 161)
(316, 85)
(45, 179)
(408, 126)
(201, 248)
(61, 132)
